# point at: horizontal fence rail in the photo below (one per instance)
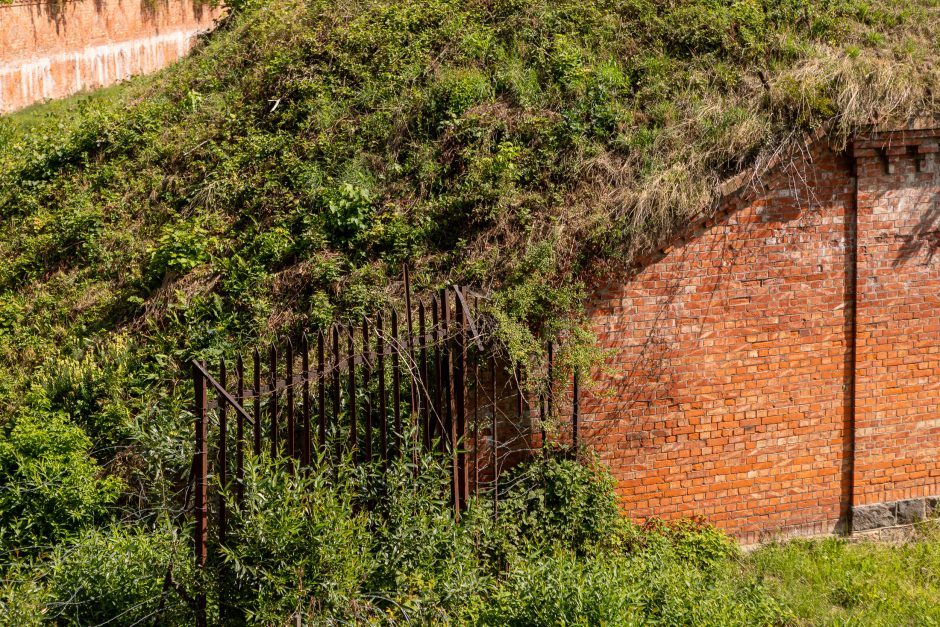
(358, 392)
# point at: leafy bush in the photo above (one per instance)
(348, 212)
(118, 575)
(90, 387)
(179, 248)
(557, 500)
(429, 567)
(23, 597)
(562, 589)
(655, 585)
(692, 540)
(52, 488)
(296, 546)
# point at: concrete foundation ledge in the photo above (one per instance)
(906, 512)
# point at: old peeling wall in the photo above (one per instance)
(739, 384)
(53, 48)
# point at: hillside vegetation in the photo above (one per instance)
(279, 177)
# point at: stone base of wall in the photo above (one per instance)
(867, 518)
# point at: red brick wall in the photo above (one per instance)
(728, 389)
(52, 49)
(898, 354)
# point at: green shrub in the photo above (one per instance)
(692, 540)
(52, 487)
(654, 585)
(23, 597)
(179, 248)
(563, 589)
(555, 500)
(428, 566)
(348, 211)
(296, 545)
(118, 576)
(91, 387)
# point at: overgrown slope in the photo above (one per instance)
(279, 177)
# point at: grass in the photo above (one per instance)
(67, 113)
(841, 582)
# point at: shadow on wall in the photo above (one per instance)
(669, 412)
(924, 238)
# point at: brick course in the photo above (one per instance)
(736, 386)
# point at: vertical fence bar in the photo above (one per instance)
(380, 370)
(256, 382)
(240, 431)
(476, 423)
(321, 395)
(436, 422)
(542, 399)
(576, 411)
(551, 379)
(272, 402)
(519, 395)
(396, 385)
(447, 430)
(367, 391)
(411, 346)
(336, 394)
(223, 466)
(290, 443)
(305, 399)
(477, 357)
(424, 398)
(460, 391)
(223, 453)
(201, 470)
(494, 428)
(353, 427)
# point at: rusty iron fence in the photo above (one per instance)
(357, 392)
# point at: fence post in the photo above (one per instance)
(201, 469)
(495, 433)
(305, 400)
(366, 392)
(424, 394)
(223, 455)
(321, 394)
(459, 427)
(409, 329)
(380, 370)
(336, 401)
(576, 411)
(291, 439)
(447, 431)
(353, 418)
(240, 433)
(551, 379)
(396, 386)
(272, 402)
(436, 426)
(256, 401)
